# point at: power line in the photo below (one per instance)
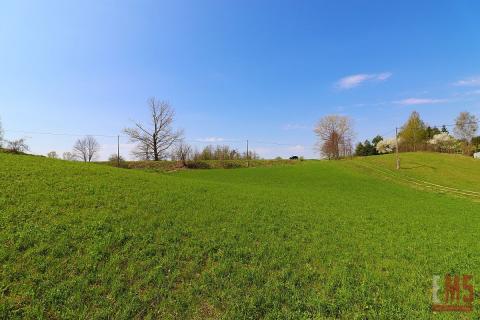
(63, 134)
(454, 125)
(122, 136)
(276, 143)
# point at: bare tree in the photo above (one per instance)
(86, 148)
(68, 156)
(17, 146)
(335, 134)
(142, 151)
(157, 137)
(52, 155)
(182, 152)
(466, 125)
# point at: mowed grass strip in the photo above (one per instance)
(450, 170)
(316, 240)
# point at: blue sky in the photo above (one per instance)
(234, 70)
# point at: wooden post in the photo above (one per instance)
(118, 151)
(396, 149)
(248, 157)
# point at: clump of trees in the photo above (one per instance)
(368, 148)
(183, 152)
(17, 146)
(444, 142)
(334, 137)
(52, 155)
(416, 135)
(155, 139)
(14, 146)
(68, 156)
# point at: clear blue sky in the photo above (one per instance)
(263, 70)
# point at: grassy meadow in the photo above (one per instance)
(319, 239)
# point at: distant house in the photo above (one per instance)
(476, 155)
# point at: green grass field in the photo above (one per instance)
(317, 240)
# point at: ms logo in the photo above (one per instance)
(458, 293)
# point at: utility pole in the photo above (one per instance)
(118, 151)
(248, 162)
(396, 148)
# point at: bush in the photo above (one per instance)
(115, 158)
(198, 165)
(232, 165)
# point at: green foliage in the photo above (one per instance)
(431, 132)
(360, 149)
(476, 142)
(312, 241)
(366, 149)
(376, 140)
(444, 129)
(413, 132)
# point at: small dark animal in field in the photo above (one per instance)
(294, 158)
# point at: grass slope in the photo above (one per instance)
(449, 170)
(316, 240)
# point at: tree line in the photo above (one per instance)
(335, 135)
(155, 140)
(158, 139)
(416, 135)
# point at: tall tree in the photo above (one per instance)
(431, 132)
(444, 129)
(360, 150)
(376, 140)
(466, 125)
(413, 131)
(158, 136)
(334, 134)
(86, 148)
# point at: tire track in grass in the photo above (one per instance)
(389, 174)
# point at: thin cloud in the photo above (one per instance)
(416, 101)
(468, 82)
(355, 80)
